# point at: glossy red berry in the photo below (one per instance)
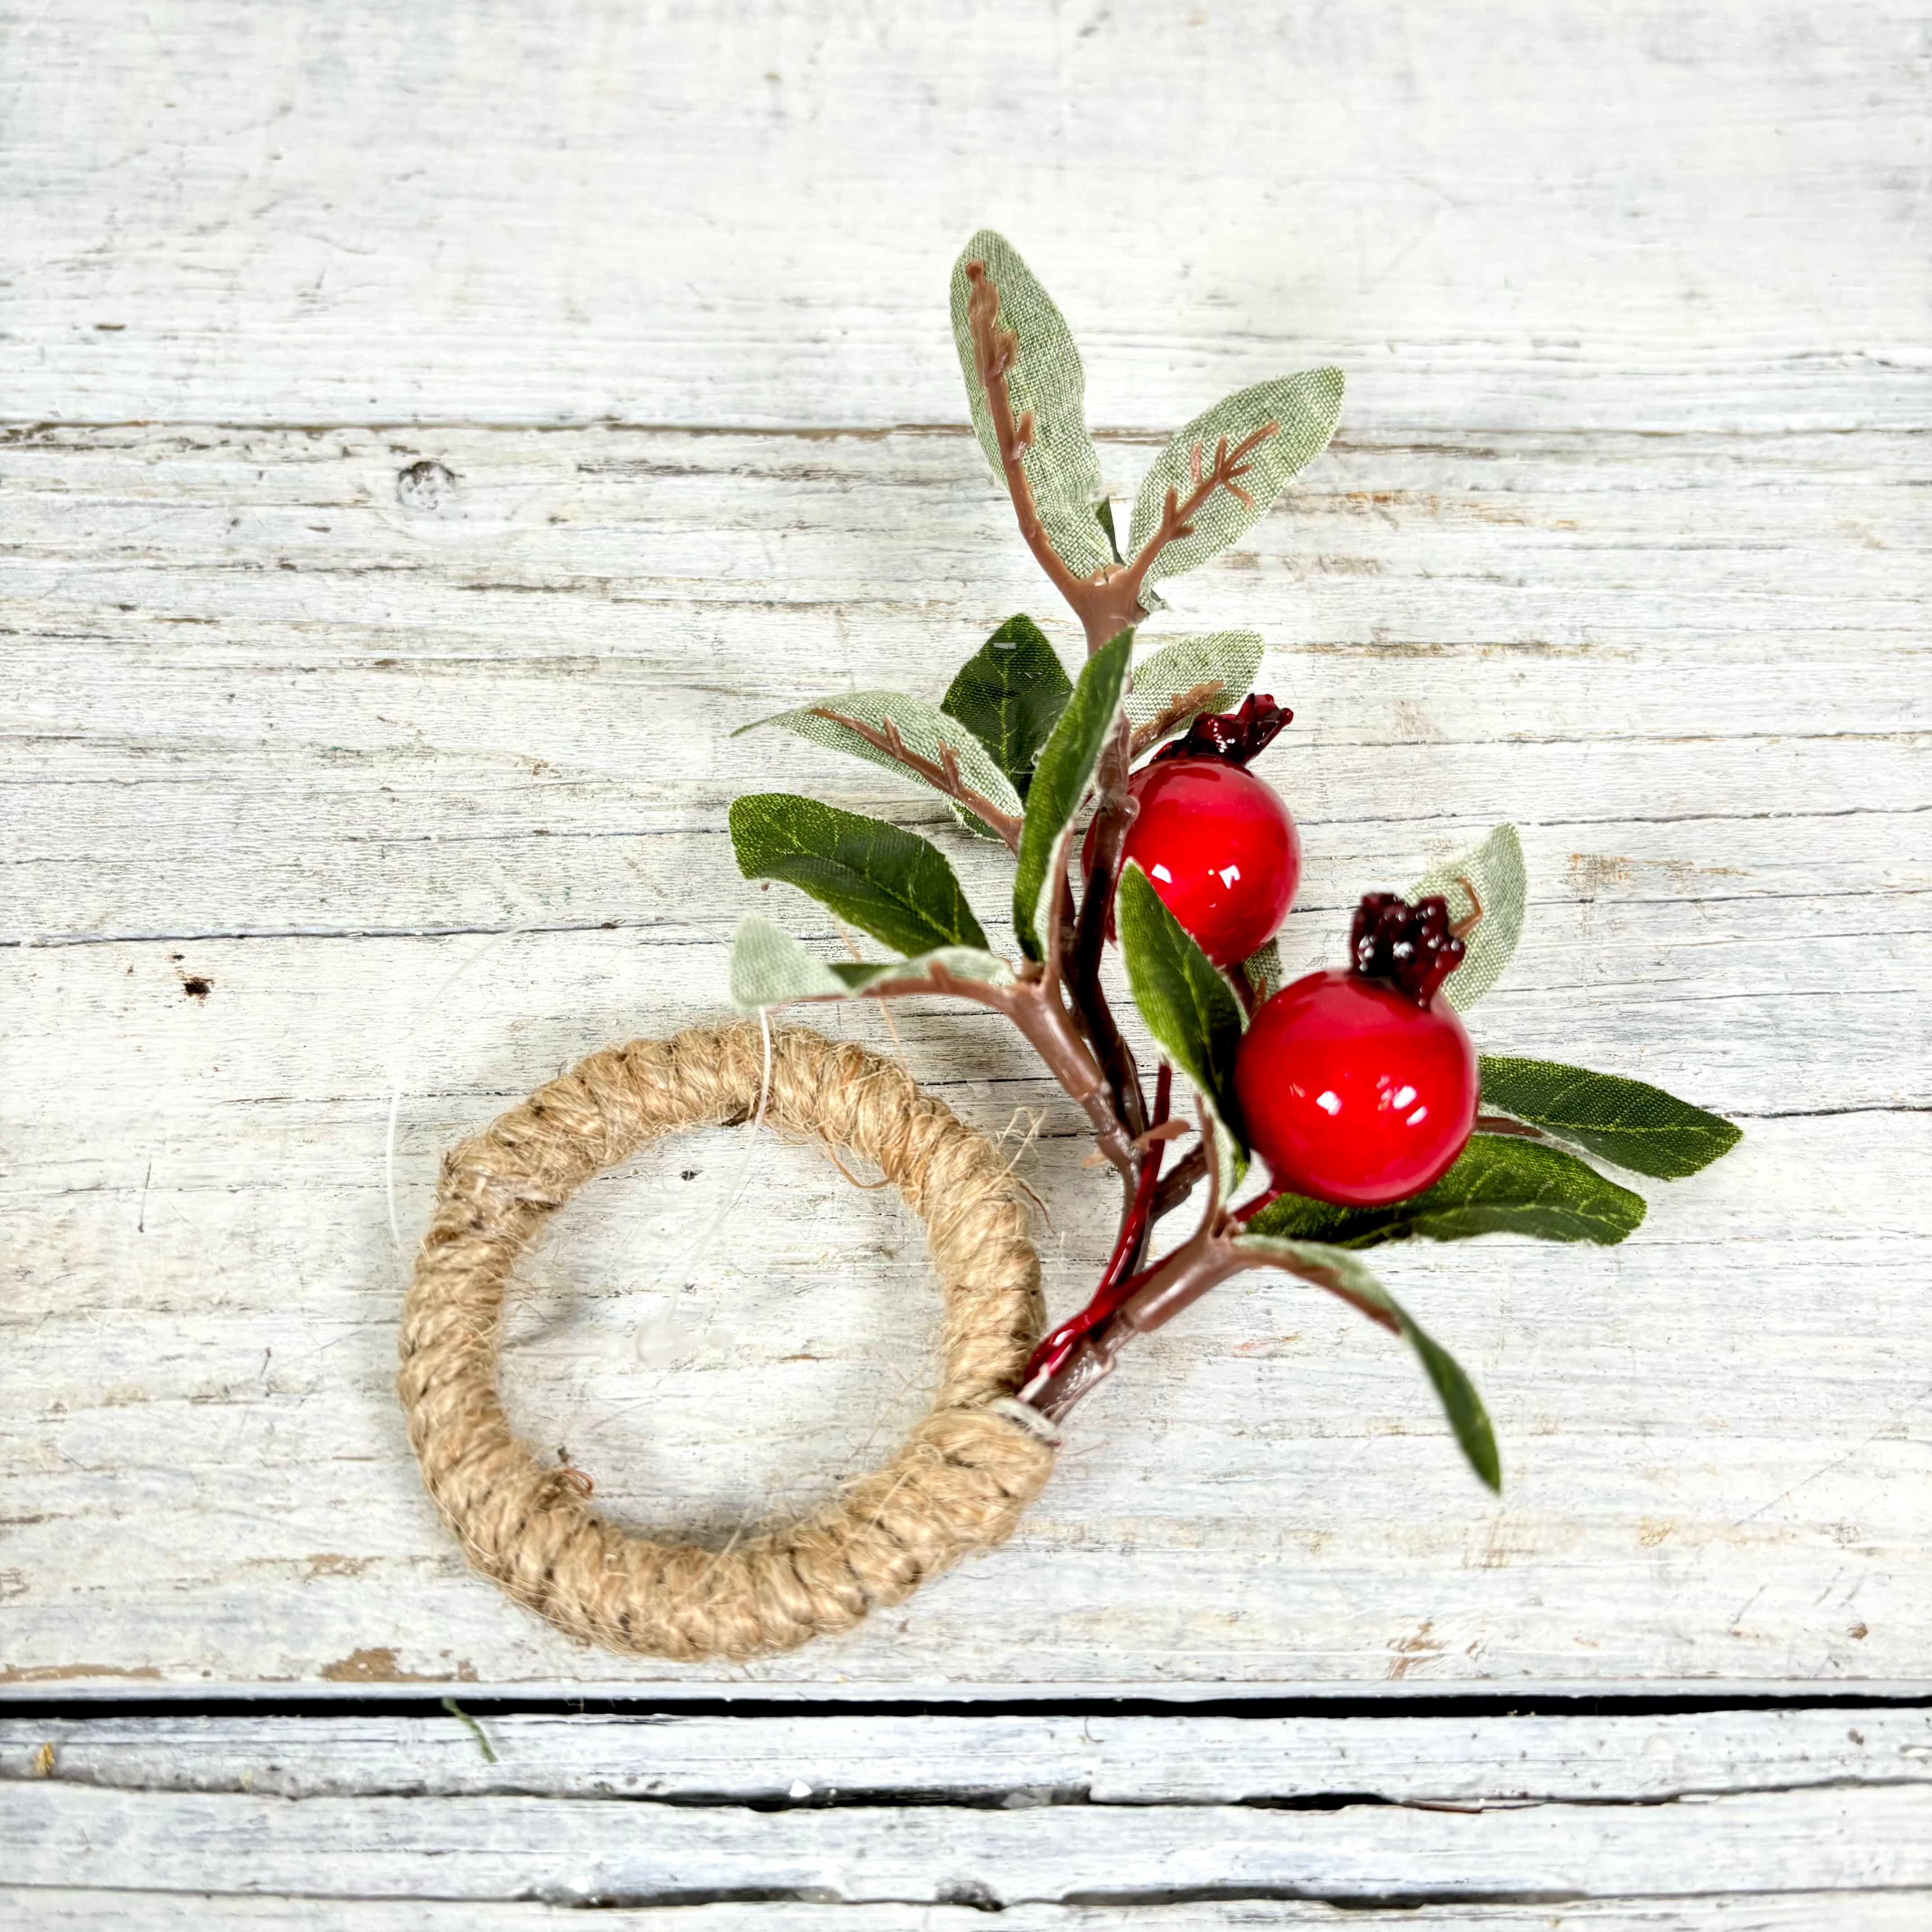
(1215, 842)
(1360, 1086)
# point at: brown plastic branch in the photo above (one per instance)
(1113, 813)
(1035, 1007)
(1175, 713)
(993, 348)
(943, 776)
(1109, 602)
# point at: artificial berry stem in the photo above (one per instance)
(1109, 602)
(1114, 1285)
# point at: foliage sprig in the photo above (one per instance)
(1024, 753)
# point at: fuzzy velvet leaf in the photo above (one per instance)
(1009, 694)
(1304, 409)
(922, 729)
(1500, 1185)
(1188, 1007)
(1177, 683)
(1059, 782)
(1341, 1273)
(888, 882)
(769, 966)
(1495, 868)
(1630, 1122)
(1046, 379)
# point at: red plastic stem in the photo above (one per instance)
(1114, 1289)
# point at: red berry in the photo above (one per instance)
(1360, 1086)
(1219, 848)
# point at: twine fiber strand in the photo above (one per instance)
(958, 1483)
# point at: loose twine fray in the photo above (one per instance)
(960, 1480)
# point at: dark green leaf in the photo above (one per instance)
(1500, 1186)
(1303, 408)
(1188, 1008)
(1339, 1271)
(1104, 511)
(1009, 694)
(1059, 782)
(888, 882)
(1045, 378)
(770, 967)
(1636, 1125)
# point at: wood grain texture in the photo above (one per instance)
(1635, 216)
(75, 1909)
(340, 757)
(592, 1852)
(974, 1758)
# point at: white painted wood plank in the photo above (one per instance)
(256, 692)
(1014, 1761)
(746, 212)
(70, 1910)
(595, 1851)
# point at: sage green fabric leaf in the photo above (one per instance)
(1210, 673)
(1188, 1008)
(922, 729)
(769, 966)
(1045, 377)
(1009, 694)
(1059, 782)
(1630, 1122)
(1303, 408)
(889, 883)
(1500, 1185)
(1263, 969)
(1339, 1271)
(1495, 868)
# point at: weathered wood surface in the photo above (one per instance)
(1624, 538)
(1728, 873)
(1011, 1761)
(1588, 214)
(1104, 1813)
(70, 1908)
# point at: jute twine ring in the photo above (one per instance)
(961, 1479)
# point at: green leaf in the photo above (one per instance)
(1304, 408)
(1059, 782)
(1630, 1122)
(769, 966)
(1339, 1271)
(1500, 1185)
(1103, 511)
(1495, 868)
(1188, 1008)
(1009, 694)
(889, 883)
(922, 729)
(1045, 376)
(1263, 969)
(1211, 674)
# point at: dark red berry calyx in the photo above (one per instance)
(1234, 736)
(1409, 947)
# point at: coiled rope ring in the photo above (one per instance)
(958, 1483)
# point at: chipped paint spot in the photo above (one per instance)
(380, 1665)
(1418, 1647)
(60, 1673)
